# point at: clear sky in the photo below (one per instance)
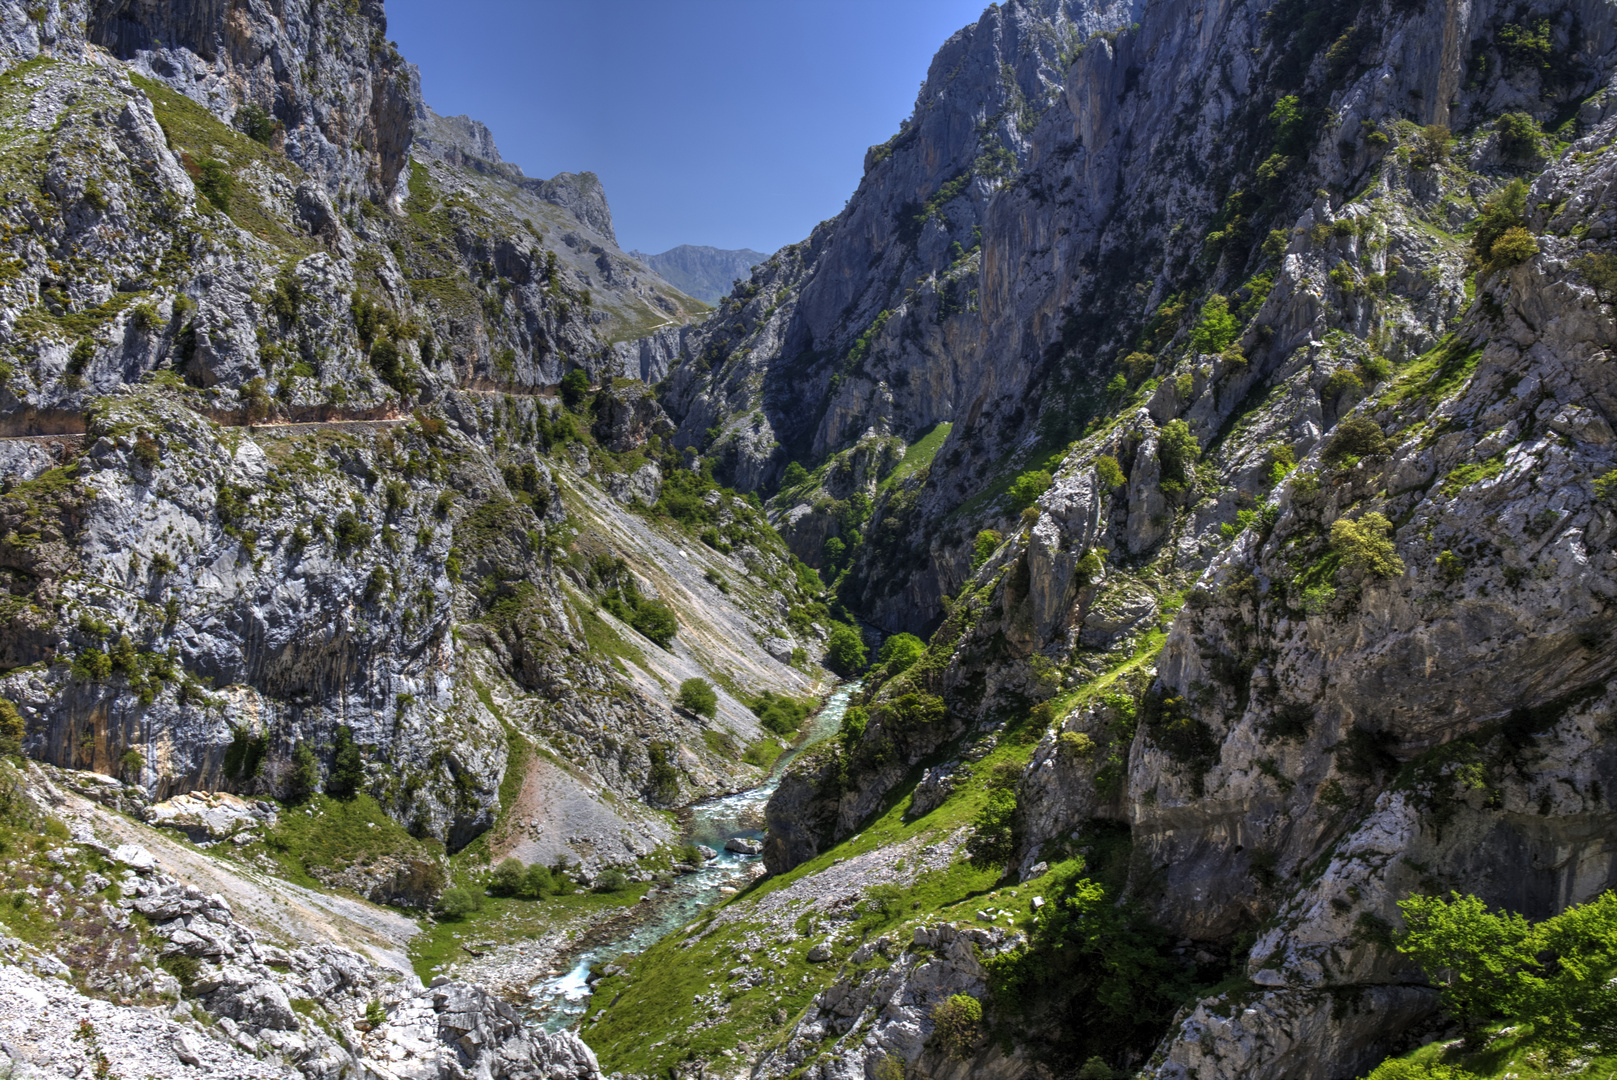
(734, 123)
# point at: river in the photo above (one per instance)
(559, 1003)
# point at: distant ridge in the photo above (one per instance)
(706, 273)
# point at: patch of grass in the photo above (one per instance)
(918, 455)
(504, 920)
(334, 834)
(1508, 1050)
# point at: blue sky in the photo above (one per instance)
(735, 123)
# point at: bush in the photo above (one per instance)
(1432, 145)
(845, 651)
(611, 880)
(779, 713)
(147, 452)
(12, 729)
(852, 728)
(1178, 451)
(1109, 471)
(537, 883)
(347, 766)
(1506, 210)
(1095, 1069)
(1074, 745)
(1026, 488)
(1515, 245)
(1366, 545)
(993, 837)
(795, 475)
(1217, 328)
(1519, 137)
(508, 878)
(983, 548)
(458, 902)
(1356, 437)
(256, 123)
(350, 532)
(575, 385)
(1090, 567)
(900, 652)
(214, 181)
(662, 776)
(957, 1024)
(697, 696)
(305, 776)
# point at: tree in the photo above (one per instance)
(1356, 437)
(984, 546)
(1506, 210)
(1367, 545)
(1026, 489)
(458, 902)
(1474, 955)
(833, 553)
(1177, 451)
(1519, 137)
(1515, 245)
(507, 880)
(574, 386)
(610, 880)
(993, 837)
(957, 1024)
(697, 696)
(12, 729)
(537, 883)
(845, 651)
(305, 778)
(347, 766)
(795, 475)
(1217, 328)
(900, 652)
(1109, 472)
(1573, 1002)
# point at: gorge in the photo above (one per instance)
(1185, 470)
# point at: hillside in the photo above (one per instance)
(706, 273)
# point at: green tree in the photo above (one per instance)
(12, 729)
(1109, 472)
(575, 386)
(347, 766)
(1475, 956)
(993, 837)
(957, 1024)
(1572, 1003)
(852, 728)
(1367, 545)
(845, 650)
(214, 181)
(833, 553)
(795, 475)
(537, 883)
(305, 777)
(900, 652)
(1519, 137)
(508, 878)
(1506, 210)
(1026, 488)
(983, 548)
(1515, 245)
(458, 902)
(662, 776)
(1217, 328)
(698, 696)
(1356, 437)
(610, 880)
(1177, 451)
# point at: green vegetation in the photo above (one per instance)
(918, 455)
(780, 713)
(1177, 451)
(1217, 328)
(1109, 472)
(328, 834)
(1367, 545)
(795, 475)
(845, 650)
(1357, 436)
(1026, 488)
(899, 653)
(1505, 211)
(697, 696)
(957, 1025)
(984, 546)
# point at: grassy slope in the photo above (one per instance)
(656, 993)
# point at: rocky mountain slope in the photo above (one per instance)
(707, 273)
(1257, 504)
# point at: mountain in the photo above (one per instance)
(1192, 449)
(706, 273)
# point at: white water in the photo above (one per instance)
(559, 1003)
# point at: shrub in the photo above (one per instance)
(1451, 566)
(214, 181)
(1419, 1070)
(1109, 471)
(375, 585)
(1432, 145)
(1367, 545)
(1074, 744)
(508, 878)
(611, 880)
(147, 452)
(457, 903)
(575, 385)
(1356, 437)
(1178, 451)
(900, 652)
(1217, 328)
(255, 123)
(537, 883)
(1026, 488)
(1090, 567)
(993, 831)
(12, 729)
(780, 714)
(957, 1024)
(92, 664)
(1342, 381)
(1519, 137)
(697, 696)
(305, 776)
(350, 532)
(852, 728)
(347, 766)
(795, 475)
(1515, 245)
(662, 776)
(1507, 209)
(1095, 1069)
(845, 651)
(375, 1014)
(389, 364)
(1473, 955)
(983, 548)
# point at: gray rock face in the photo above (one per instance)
(707, 273)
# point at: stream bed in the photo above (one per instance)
(558, 1003)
